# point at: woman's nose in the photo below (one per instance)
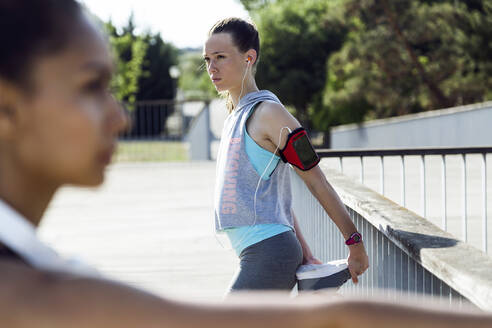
(211, 67)
(119, 120)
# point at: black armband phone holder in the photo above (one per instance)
(298, 150)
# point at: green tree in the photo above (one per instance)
(129, 52)
(252, 5)
(408, 56)
(397, 57)
(155, 81)
(297, 38)
(142, 64)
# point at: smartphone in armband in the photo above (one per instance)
(299, 151)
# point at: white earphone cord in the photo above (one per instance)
(266, 168)
(242, 82)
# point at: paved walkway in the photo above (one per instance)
(149, 225)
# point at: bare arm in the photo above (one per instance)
(30, 298)
(385, 314)
(267, 123)
(316, 182)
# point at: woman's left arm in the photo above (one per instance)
(316, 182)
(272, 118)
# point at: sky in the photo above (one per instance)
(184, 23)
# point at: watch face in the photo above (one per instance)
(354, 239)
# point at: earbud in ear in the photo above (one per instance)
(249, 59)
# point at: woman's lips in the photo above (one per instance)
(215, 80)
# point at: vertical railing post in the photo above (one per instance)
(484, 207)
(464, 214)
(422, 185)
(381, 174)
(403, 195)
(361, 170)
(444, 198)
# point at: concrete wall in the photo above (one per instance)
(199, 136)
(205, 129)
(453, 127)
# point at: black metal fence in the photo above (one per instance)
(157, 130)
(155, 120)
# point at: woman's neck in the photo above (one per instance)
(30, 197)
(239, 92)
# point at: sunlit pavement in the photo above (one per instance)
(149, 225)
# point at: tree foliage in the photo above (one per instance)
(344, 61)
(254, 5)
(297, 38)
(155, 81)
(403, 57)
(129, 51)
(142, 65)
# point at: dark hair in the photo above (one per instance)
(244, 35)
(30, 29)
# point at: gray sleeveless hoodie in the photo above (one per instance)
(236, 178)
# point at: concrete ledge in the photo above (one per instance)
(461, 266)
(410, 117)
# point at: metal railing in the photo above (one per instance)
(407, 255)
(154, 119)
(158, 130)
(422, 153)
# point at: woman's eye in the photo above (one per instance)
(97, 87)
(94, 86)
(220, 56)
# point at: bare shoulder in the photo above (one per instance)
(271, 119)
(271, 109)
(273, 114)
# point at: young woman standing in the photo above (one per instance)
(253, 194)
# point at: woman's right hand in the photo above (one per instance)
(358, 261)
(311, 260)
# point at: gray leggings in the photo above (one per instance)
(269, 264)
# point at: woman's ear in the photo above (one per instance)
(251, 56)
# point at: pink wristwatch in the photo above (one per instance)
(354, 238)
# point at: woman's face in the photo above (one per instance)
(226, 65)
(67, 128)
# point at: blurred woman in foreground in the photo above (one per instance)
(59, 125)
